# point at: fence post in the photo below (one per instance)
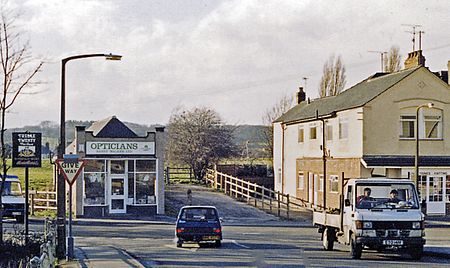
(215, 176)
(248, 192)
(262, 197)
(47, 196)
(270, 202)
(32, 204)
(279, 205)
(287, 206)
(168, 175)
(255, 195)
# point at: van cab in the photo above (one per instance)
(13, 199)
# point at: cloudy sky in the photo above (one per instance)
(238, 57)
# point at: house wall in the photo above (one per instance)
(277, 156)
(382, 116)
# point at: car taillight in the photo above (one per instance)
(180, 230)
(217, 230)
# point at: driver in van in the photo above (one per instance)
(393, 196)
(366, 196)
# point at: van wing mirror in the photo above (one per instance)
(347, 202)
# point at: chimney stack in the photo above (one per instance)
(415, 59)
(301, 95)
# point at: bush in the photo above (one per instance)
(14, 252)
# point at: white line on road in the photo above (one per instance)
(236, 243)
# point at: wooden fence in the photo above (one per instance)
(40, 200)
(175, 174)
(282, 205)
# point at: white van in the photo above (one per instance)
(13, 199)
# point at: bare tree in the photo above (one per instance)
(198, 138)
(392, 61)
(279, 108)
(333, 77)
(18, 69)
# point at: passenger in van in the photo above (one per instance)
(393, 197)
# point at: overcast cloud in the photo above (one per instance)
(237, 57)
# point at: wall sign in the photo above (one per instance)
(120, 147)
(26, 149)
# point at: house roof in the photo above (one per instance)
(111, 127)
(354, 97)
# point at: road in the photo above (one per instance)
(267, 245)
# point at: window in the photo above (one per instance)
(433, 127)
(131, 179)
(94, 176)
(343, 128)
(329, 133)
(300, 180)
(313, 132)
(407, 123)
(145, 178)
(301, 134)
(321, 183)
(279, 175)
(334, 183)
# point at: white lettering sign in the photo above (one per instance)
(121, 147)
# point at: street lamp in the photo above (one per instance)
(416, 159)
(61, 184)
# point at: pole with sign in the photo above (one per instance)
(26, 152)
(70, 166)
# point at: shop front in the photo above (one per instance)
(122, 175)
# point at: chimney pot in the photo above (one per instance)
(415, 59)
(301, 95)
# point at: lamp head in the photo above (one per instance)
(112, 57)
(430, 105)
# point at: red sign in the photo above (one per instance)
(71, 170)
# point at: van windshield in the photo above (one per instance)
(386, 195)
(12, 188)
(198, 214)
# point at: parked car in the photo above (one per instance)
(13, 199)
(198, 224)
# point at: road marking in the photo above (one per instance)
(237, 244)
(251, 233)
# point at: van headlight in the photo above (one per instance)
(417, 225)
(363, 225)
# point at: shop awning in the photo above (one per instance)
(404, 161)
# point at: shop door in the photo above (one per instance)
(435, 194)
(117, 195)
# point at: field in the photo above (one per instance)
(40, 179)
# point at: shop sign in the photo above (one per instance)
(121, 147)
(26, 151)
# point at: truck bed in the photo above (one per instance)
(326, 219)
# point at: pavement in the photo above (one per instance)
(109, 256)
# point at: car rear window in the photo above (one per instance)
(198, 214)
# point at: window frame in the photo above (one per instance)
(343, 128)
(334, 179)
(301, 138)
(300, 180)
(311, 127)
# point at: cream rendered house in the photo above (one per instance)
(368, 130)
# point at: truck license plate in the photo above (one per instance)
(393, 242)
(210, 237)
(17, 213)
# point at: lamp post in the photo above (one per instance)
(61, 184)
(416, 159)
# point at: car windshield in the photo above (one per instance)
(386, 195)
(12, 188)
(198, 214)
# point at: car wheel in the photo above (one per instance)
(416, 252)
(328, 238)
(218, 243)
(355, 248)
(179, 244)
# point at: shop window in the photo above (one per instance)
(334, 183)
(422, 187)
(145, 188)
(117, 167)
(94, 188)
(145, 165)
(95, 166)
(448, 188)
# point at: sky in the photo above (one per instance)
(236, 57)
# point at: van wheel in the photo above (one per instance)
(416, 252)
(355, 248)
(20, 219)
(218, 243)
(328, 238)
(179, 244)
